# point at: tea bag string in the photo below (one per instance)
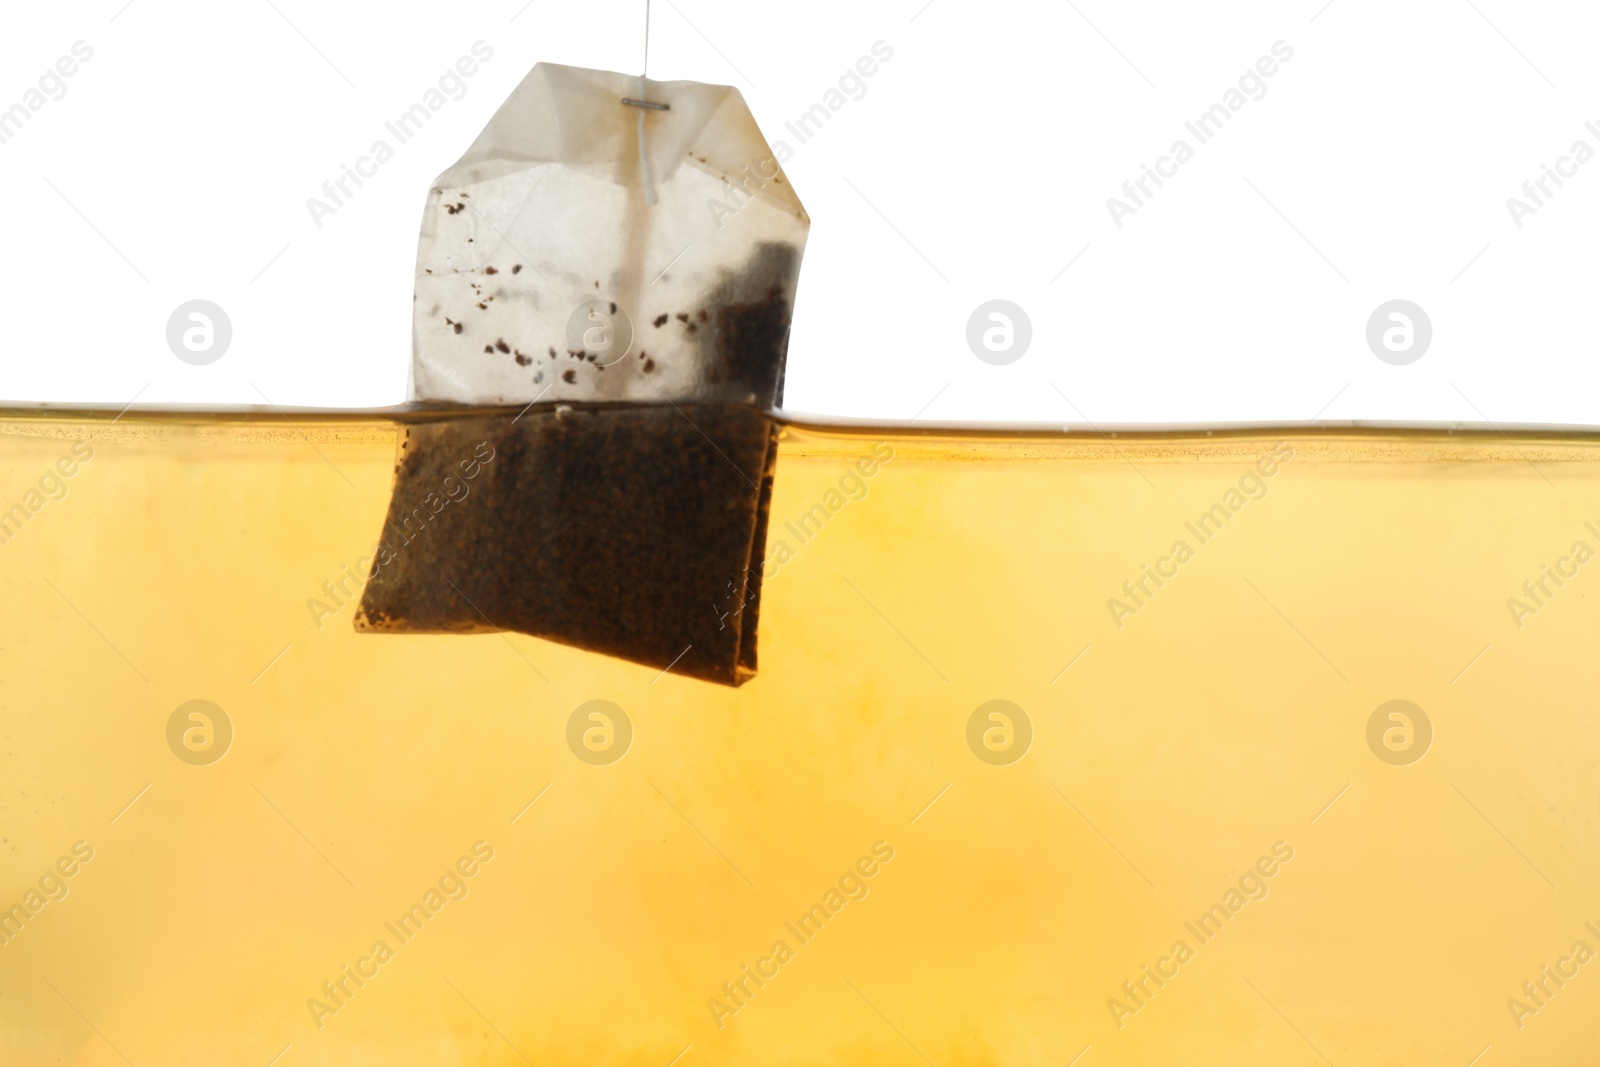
(646, 178)
(641, 102)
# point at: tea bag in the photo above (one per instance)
(613, 262)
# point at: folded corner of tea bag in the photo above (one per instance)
(625, 276)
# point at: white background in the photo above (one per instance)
(977, 166)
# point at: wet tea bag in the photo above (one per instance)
(614, 264)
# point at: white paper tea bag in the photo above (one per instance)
(629, 249)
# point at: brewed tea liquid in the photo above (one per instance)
(1234, 749)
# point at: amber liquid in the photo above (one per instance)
(1198, 832)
